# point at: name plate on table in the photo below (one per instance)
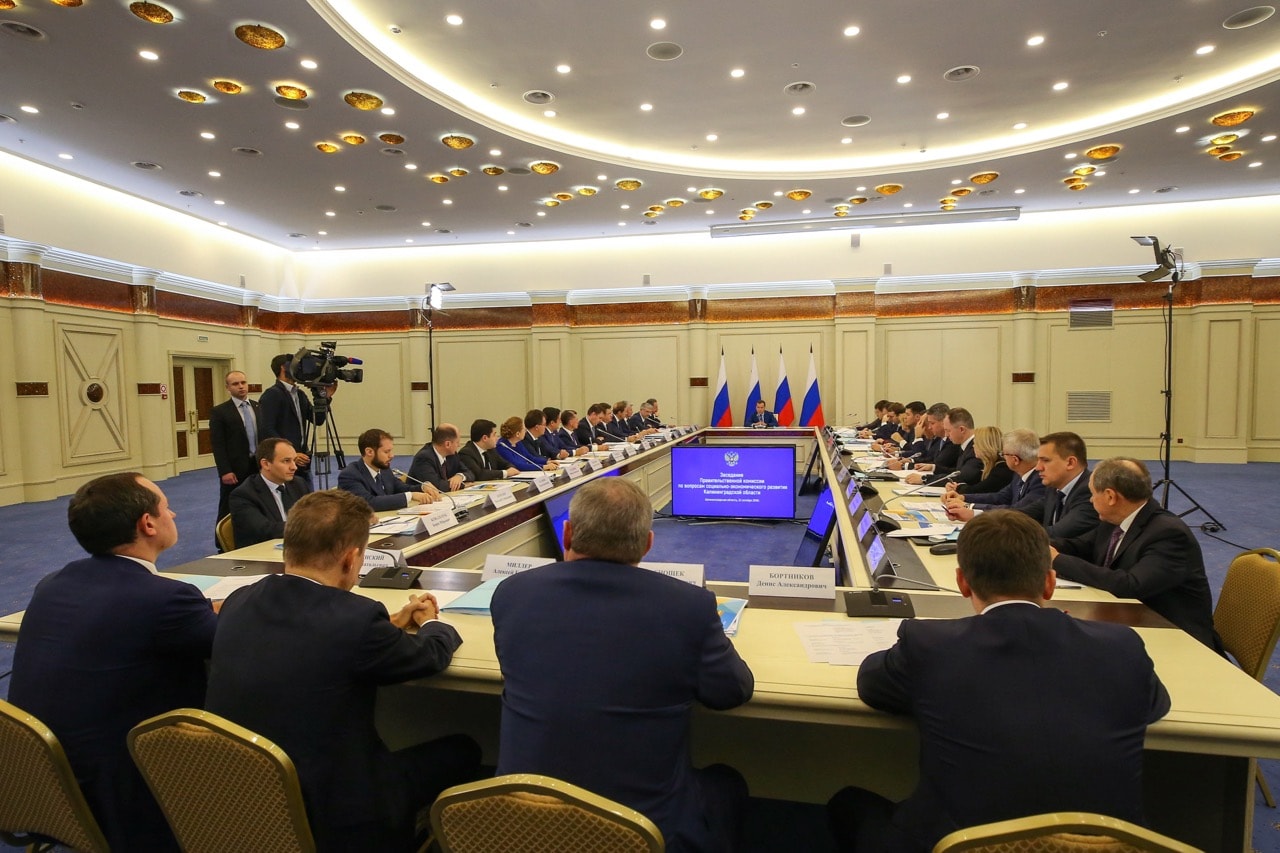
(441, 519)
(594, 463)
(574, 471)
(618, 455)
(501, 565)
(383, 558)
(694, 573)
(398, 525)
(501, 497)
(792, 581)
(540, 483)
(630, 449)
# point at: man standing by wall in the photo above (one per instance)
(233, 431)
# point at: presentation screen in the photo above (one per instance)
(556, 508)
(721, 481)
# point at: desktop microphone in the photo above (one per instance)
(459, 513)
(885, 525)
(891, 572)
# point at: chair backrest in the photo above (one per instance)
(1060, 832)
(39, 795)
(1247, 617)
(221, 786)
(524, 813)
(223, 533)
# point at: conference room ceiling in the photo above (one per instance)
(798, 112)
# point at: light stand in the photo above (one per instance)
(433, 300)
(1169, 263)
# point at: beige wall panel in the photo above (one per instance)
(481, 376)
(1222, 389)
(91, 364)
(1266, 378)
(856, 356)
(633, 365)
(382, 400)
(549, 372)
(959, 364)
(795, 339)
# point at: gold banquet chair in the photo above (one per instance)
(526, 813)
(224, 534)
(1061, 832)
(1247, 618)
(222, 788)
(40, 800)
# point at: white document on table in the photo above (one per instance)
(846, 643)
(226, 586)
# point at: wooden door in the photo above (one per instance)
(195, 382)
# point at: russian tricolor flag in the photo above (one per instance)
(811, 410)
(753, 396)
(721, 416)
(782, 407)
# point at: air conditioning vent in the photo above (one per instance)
(1088, 406)
(1090, 314)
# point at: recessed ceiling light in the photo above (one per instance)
(644, 108)
(549, 113)
(309, 64)
(27, 108)
(658, 24)
(1134, 191)
(453, 20)
(1183, 129)
(446, 201)
(602, 177)
(1060, 85)
(495, 152)
(806, 211)
(1035, 41)
(1022, 125)
(1270, 137)
(339, 189)
(1070, 155)
(1019, 191)
(846, 140)
(904, 78)
(65, 157)
(860, 189)
(691, 189)
(621, 224)
(542, 213)
(777, 193)
(1204, 50)
(388, 111)
(502, 188)
(944, 116)
(323, 233)
(797, 111)
(218, 201)
(1100, 174)
(955, 182)
(292, 125)
(737, 72)
(411, 166)
(710, 212)
(149, 55)
(908, 204)
(204, 134)
(215, 174)
(711, 137)
(624, 207)
(852, 31)
(563, 69)
(330, 213)
(426, 225)
(1255, 164)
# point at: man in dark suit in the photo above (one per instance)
(1022, 709)
(649, 414)
(1140, 550)
(957, 456)
(762, 417)
(371, 477)
(437, 463)
(591, 431)
(1066, 510)
(233, 432)
(1020, 449)
(106, 643)
(602, 662)
(298, 659)
(479, 456)
(285, 412)
(929, 440)
(535, 429)
(566, 432)
(260, 505)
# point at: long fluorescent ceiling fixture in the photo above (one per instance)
(880, 220)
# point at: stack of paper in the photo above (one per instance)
(476, 601)
(730, 610)
(846, 642)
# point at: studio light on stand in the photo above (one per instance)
(1169, 263)
(431, 303)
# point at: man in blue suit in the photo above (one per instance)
(106, 643)
(762, 417)
(1020, 448)
(371, 477)
(1022, 709)
(602, 662)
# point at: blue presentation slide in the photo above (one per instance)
(733, 482)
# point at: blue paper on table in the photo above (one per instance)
(475, 602)
(730, 610)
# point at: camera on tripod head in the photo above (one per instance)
(317, 368)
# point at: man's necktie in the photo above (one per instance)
(284, 510)
(250, 426)
(1057, 507)
(1112, 544)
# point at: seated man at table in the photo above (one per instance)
(260, 505)
(1020, 449)
(1022, 709)
(1140, 550)
(479, 455)
(928, 443)
(106, 643)
(762, 417)
(589, 431)
(437, 462)
(1066, 510)
(957, 457)
(371, 477)
(904, 433)
(298, 658)
(602, 662)
(556, 439)
(567, 432)
(649, 414)
(535, 430)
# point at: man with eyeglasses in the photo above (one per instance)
(1020, 449)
